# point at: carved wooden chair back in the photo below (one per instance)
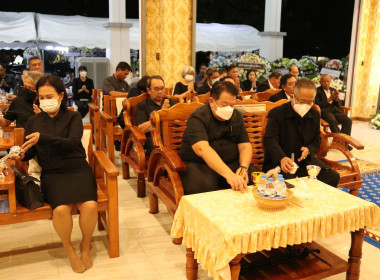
(203, 98)
(246, 94)
(265, 95)
(130, 108)
(172, 123)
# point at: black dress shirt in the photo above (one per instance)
(286, 132)
(78, 84)
(278, 96)
(204, 89)
(181, 88)
(223, 136)
(10, 82)
(21, 107)
(144, 109)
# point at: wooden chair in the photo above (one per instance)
(203, 98)
(94, 108)
(132, 144)
(106, 176)
(246, 94)
(168, 91)
(109, 128)
(265, 95)
(326, 125)
(164, 163)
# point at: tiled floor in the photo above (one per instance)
(32, 250)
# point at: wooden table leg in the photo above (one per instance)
(191, 265)
(235, 267)
(355, 255)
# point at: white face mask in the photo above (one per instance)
(301, 109)
(50, 105)
(214, 81)
(83, 74)
(188, 78)
(224, 113)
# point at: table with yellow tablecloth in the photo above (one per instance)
(220, 225)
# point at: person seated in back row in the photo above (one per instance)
(82, 91)
(287, 83)
(294, 128)
(154, 102)
(212, 77)
(187, 84)
(215, 145)
(272, 83)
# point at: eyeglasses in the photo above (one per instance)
(157, 89)
(303, 101)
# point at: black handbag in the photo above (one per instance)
(28, 193)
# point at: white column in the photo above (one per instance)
(118, 47)
(352, 57)
(272, 40)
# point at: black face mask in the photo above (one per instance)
(29, 95)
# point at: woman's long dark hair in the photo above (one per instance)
(57, 84)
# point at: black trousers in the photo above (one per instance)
(199, 177)
(326, 175)
(335, 118)
(82, 107)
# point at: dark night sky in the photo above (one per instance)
(318, 28)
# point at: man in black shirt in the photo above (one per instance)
(155, 101)
(212, 77)
(294, 128)
(23, 107)
(215, 145)
(7, 82)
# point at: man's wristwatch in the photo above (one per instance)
(242, 167)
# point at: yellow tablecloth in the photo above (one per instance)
(222, 224)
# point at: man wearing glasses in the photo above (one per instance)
(155, 101)
(294, 128)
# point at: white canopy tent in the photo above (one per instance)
(18, 31)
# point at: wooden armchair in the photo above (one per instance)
(106, 176)
(132, 144)
(109, 129)
(164, 163)
(94, 108)
(265, 95)
(203, 98)
(246, 94)
(326, 125)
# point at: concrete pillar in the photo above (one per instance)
(272, 40)
(170, 38)
(117, 34)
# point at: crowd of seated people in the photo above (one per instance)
(215, 146)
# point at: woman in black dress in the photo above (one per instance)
(54, 136)
(187, 84)
(82, 91)
(250, 83)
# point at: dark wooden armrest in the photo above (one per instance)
(345, 138)
(136, 133)
(106, 116)
(345, 108)
(93, 107)
(324, 123)
(169, 157)
(106, 164)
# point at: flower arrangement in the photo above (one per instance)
(255, 58)
(86, 52)
(29, 52)
(335, 64)
(308, 65)
(284, 63)
(219, 62)
(335, 83)
(375, 121)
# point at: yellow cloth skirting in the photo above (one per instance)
(210, 224)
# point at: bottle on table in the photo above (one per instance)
(261, 185)
(270, 191)
(280, 189)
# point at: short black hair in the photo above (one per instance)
(141, 84)
(222, 70)
(149, 81)
(122, 65)
(82, 67)
(210, 71)
(249, 72)
(275, 74)
(33, 58)
(232, 66)
(3, 65)
(284, 79)
(202, 64)
(57, 84)
(223, 86)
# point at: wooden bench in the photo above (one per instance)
(106, 176)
